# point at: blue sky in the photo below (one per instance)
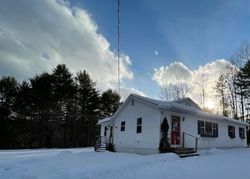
(163, 39)
(193, 32)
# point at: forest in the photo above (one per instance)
(54, 109)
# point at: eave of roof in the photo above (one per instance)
(173, 106)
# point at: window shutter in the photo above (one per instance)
(233, 132)
(242, 132)
(216, 130)
(200, 127)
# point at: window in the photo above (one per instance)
(231, 131)
(111, 131)
(207, 129)
(139, 125)
(123, 126)
(242, 132)
(105, 131)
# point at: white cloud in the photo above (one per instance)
(35, 36)
(178, 72)
(173, 73)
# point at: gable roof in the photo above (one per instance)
(184, 105)
(188, 102)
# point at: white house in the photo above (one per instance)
(136, 126)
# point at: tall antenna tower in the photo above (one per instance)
(118, 45)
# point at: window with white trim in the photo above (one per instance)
(231, 131)
(139, 125)
(207, 129)
(123, 124)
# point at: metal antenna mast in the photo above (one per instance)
(118, 43)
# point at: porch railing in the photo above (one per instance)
(100, 140)
(192, 136)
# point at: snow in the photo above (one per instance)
(185, 105)
(85, 163)
(104, 120)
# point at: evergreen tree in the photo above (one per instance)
(164, 143)
(63, 90)
(246, 77)
(24, 106)
(52, 110)
(241, 91)
(8, 89)
(89, 108)
(43, 103)
(109, 102)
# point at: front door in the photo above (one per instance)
(175, 132)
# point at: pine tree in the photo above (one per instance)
(246, 77)
(26, 122)
(63, 90)
(43, 103)
(164, 143)
(241, 91)
(8, 90)
(89, 108)
(109, 102)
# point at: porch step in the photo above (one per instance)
(101, 148)
(188, 155)
(185, 152)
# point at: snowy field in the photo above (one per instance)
(85, 163)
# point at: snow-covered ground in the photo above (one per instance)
(85, 163)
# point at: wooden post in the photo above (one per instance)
(183, 139)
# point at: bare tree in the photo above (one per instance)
(243, 53)
(170, 92)
(202, 84)
(230, 76)
(222, 94)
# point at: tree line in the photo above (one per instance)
(54, 109)
(232, 89)
(233, 86)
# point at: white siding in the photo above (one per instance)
(108, 125)
(190, 126)
(128, 140)
(148, 141)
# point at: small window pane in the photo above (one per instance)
(139, 121)
(138, 129)
(241, 132)
(139, 125)
(231, 131)
(208, 128)
(123, 126)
